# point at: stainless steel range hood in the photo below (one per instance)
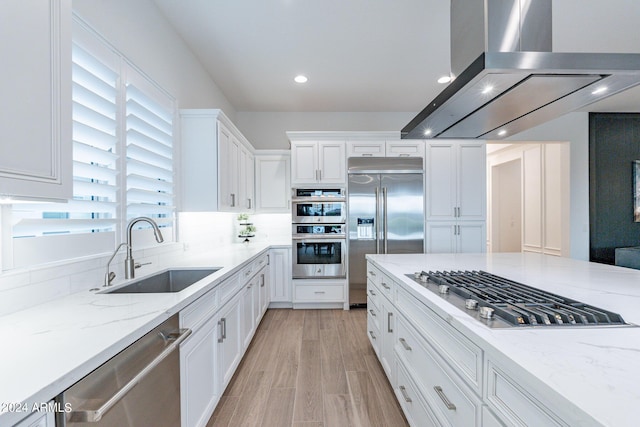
(506, 77)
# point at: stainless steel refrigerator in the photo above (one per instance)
(386, 213)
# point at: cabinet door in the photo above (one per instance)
(246, 180)
(332, 162)
(264, 292)
(229, 341)
(441, 181)
(412, 148)
(304, 162)
(471, 237)
(198, 394)
(365, 149)
(441, 237)
(273, 183)
(471, 181)
(228, 169)
(199, 156)
(388, 335)
(280, 271)
(248, 312)
(35, 154)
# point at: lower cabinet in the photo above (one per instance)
(388, 335)
(223, 322)
(229, 341)
(198, 375)
(415, 409)
(456, 237)
(280, 277)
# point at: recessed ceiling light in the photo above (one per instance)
(300, 79)
(444, 79)
(598, 91)
(427, 132)
(502, 132)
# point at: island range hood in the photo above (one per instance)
(507, 79)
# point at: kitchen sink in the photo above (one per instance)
(173, 280)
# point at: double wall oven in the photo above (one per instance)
(319, 233)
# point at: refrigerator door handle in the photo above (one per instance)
(377, 224)
(384, 216)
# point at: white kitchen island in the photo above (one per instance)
(562, 375)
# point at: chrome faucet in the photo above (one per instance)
(129, 264)
(110, 275)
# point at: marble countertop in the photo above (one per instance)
(588, 371)
(49, 347)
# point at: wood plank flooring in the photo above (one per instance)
(309, 368)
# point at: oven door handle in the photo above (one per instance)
(93, 416)
(320, 239)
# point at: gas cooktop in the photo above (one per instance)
(501, 303)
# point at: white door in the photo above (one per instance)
(441, 237)
(280, 271)
(471, 181)
(229, 341)
(332, 162)
(471, 237)
(273, 183)
(441, 181)
(304, 162)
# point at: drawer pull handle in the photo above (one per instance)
(372, 273)
(389, 330)
(404, 344)
(450, 406)
(372, 312)
(384, 285)
(372, 335)
(319, 292)
(373, 294)
(403, 390)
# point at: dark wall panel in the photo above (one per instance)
(614, 143)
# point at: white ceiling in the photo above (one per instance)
(359, 55)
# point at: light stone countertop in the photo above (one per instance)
(49, 347)
(591, 373)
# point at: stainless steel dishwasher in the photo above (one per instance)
(138, 387)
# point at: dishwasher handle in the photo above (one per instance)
(92, 416)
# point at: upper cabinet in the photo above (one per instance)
(217, 164)
(456, 180)
(273, 181)
(35, 154)
(388, 148)
(318, 162)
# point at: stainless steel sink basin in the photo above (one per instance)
(173, 280)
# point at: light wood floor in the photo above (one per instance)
(309, 368)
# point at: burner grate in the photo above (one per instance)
(519, 304)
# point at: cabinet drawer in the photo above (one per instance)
(413, 406)
(334, 293)
(387, 287)
(374, 275)
(513, 404)
(464, 356)
(373, 313)
(373, 293)
(228, 288)
(452, 403)
(199, 311)
(373, 333)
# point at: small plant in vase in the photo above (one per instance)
(247, 229)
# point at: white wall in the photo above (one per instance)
(139, 31)
(267, 130)
(572, 128)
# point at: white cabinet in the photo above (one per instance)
(199, 395)
(264, 292)
(250, 307)
(385, 148)
(456, 236)
(217, 164)
(318, 162)
(280, 277)
(273, 182)
(456, 180)
(229, 341)
(35, 154)
(388, 337)
(455, 196)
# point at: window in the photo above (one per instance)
(122, 160)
